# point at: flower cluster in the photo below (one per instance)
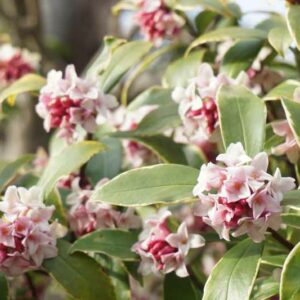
(68, 102)
(86, 216)
(197, 103)
(241, 196)
(157, 21)
(15, 63)
(26, 236)
(161, 250)
(136, 154)
(283, 129)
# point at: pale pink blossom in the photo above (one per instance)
(197, 103)
(15, 63)
(290, 146)
(70, 101)
(86, 216)
(161, 250)
(246, 199)
(27, 237)
(157, 22)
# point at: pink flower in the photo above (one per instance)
(197, 103)
(15, 63)
(86, 216)
(161, 250)
(290, 146)
(26, 236)
(157, 21)
(68, 102)
(246, 199)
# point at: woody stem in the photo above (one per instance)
(281, 239)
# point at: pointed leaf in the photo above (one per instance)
(284, 90)
(242, 118)
(290, 281)
(265, 288)
(67, 161)
(280, 39)
(293, 16)
(112, 242)
(79, 275)
(164, 184)
(234, 275)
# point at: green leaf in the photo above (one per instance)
(226, 33)
(165, 184)
(242, 118)
(275, 20)
(102, 59)
(219, 7)
(292, 111)
(28, 83)
(79, 275)
(164, 147)
(118, 275)
(67, 161)
(10, 170)
(182, 70)
(291, 219)
(240, 56)
(265, 288)
(123, 58)
(112, 242)
(159, 120)
(106, 164)
(285, 90)
(4, 292)
(234, 275)
(280, 39)
(152, 96)
(203, 20)
(54, 198)
(273, 260)
(293, 15)
(176, 288)
(292, 199)
(290, 281)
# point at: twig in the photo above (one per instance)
(281, 239)
(31, 286)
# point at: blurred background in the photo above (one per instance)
(69, 31)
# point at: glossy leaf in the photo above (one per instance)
(217, 6)
(290, 282)
(283, 90)
(11, 169)
(123, 58)
(280, 39)
(106, 164)
(242, 118)
(234, 275)
(176, 288)
(292, 199)
(292, 112)
(182, 70)
(112, 242)
(159, 120)
(265, 288)
(165, 184)
(293, 16)
(4, 292)
(153, 96)
(164, 147)
(291, 219)
(226, 33)
(28, 83)
(274, 260)
(79, 275)
(240, 56)
(67, 161)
